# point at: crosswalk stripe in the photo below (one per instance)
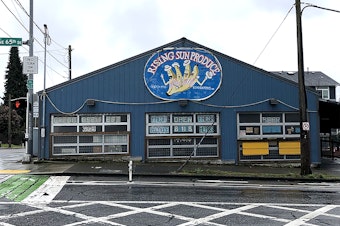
(47, 191)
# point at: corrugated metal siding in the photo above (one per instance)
(241, 84)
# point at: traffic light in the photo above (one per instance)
(17, 104)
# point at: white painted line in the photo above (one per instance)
(219, 215)
(4, 178)
(223, 181)
(302, 220)
(6, 224)
(47, 191)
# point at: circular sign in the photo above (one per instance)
(183, 73)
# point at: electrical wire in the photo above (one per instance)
(42, 31)
(14, 16)
(171, 101)
(33, 37)
(5, 33)
(103, 101)
(270, 39)
(319, 7)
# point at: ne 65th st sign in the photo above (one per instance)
(10, 41)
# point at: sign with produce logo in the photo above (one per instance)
(183, 73)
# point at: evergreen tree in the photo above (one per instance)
(15, 83)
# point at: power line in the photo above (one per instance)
(14, 16)
(319, 7)
(273, 35)
(28, 31)
(40, 29)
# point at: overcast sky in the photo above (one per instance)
(104, 32)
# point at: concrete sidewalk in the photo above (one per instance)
(11, 160)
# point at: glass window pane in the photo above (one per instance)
(183, 129)
(182, 118)
(272, 118)
(65, 129)
(115, 148)
(206, 118)
(249, 130)
(64, 139)
(183, 141)
(249, 118)
(293, 129)
(91, 119)
(292, 117)
(115, 128)
(164, 118)
(159, 130)
(115, 139)
(272, 129)
(206, 129)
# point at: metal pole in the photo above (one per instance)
(304, 132)
(29, 116)
(43, 127)
(9, 138)
(130, 171)
(69, 62)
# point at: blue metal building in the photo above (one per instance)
(177, 101)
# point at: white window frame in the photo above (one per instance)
(167, 124)
(99, 139)
(325, 93)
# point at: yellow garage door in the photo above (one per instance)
(255, 148)
(289, 147)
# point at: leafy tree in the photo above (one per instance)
(15, 83)
(17, 133)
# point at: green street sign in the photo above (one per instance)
(10, 41)
(30, 84)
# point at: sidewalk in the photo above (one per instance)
(11, 160)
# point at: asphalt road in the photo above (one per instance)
(160, 201)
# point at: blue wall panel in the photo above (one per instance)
(244, 87)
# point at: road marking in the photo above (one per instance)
(302, 220)
(11, 172)
(18, 187)
(47, 191)
(161, 209)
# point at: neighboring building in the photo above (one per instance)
(329, 108)
(316, 80)
(177, 101)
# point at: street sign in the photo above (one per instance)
(35, 109)
(305, 126)
(30, 65)
(29, 84)
(10, 41)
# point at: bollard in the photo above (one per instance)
(130, 171)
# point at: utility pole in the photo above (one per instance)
(29, 116)
(69, 63)
(9, 139)
(304, 125)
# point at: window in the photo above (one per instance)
(268, 136)
(174, 135)
(90, 134)
(268, 125)
(324, 90)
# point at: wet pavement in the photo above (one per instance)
(11, 163)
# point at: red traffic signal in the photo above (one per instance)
(17, 104)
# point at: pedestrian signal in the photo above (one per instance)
(17, 104)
